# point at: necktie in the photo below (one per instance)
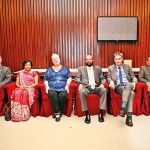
(120, 76)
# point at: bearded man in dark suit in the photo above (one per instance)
(91, 80)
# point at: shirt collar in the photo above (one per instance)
(89, 67)
(119, 66)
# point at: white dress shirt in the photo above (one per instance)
(91, 76)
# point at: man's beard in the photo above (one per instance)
(89, 64)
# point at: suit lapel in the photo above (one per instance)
(86, 73)
(115, 72)
(95, 73)
(125, 69)
(148, 72)
(2, 74)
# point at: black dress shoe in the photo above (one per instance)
(58, 117)
(54, 116)
(87, 119)
(122, 112)
(129, 121)
(100, 118)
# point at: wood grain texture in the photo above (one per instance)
(34, 29)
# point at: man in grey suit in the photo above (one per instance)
(91, 80)
(5, 74)
(122, 80)
(144, 74)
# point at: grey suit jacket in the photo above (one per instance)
(112, 73)
(144, 75)
(5, 75)
(82, 76)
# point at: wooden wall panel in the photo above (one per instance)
(34, 29)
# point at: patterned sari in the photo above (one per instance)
(22, 99)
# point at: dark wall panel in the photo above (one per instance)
(34, 29)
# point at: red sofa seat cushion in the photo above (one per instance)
(46, 107)
(93, 101)
(116, 101)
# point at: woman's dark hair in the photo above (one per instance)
(26, 61)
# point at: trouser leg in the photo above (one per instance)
(63, 97)
(127, 94)
(102, 92)
(82, 95)
(130, 102)
(53, 97)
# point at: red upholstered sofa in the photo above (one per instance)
(145, 101)
(46, 108)
(116, 101)
(35, 107)
(3, 99)
(93, 101)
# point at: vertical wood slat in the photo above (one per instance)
(34, 29)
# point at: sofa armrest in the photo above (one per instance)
(42, 88)
(2, 92)
(10, 87)
(73, 87)
(106, 85)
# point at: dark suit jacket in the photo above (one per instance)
(82, 76)
(5, 75)
(112, 73)
(144, 74)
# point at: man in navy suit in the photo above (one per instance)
(91, 80)
(122, 80)
(5, 74)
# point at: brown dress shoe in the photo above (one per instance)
(129, 121)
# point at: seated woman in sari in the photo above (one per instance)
(23, 95)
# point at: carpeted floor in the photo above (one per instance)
(71, 133)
